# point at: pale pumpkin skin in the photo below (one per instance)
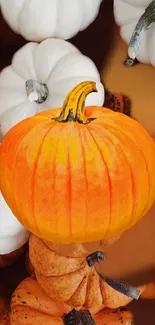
(70, 280)
(127, 14)
(30, 305)
(54, 62)
(38, 20)
(13, 236)
(4, 311)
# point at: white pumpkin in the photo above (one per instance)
(37, 20)
(40, 77)
(12, 234)
(127, 15)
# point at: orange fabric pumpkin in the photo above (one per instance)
(72, 175)
(29, 266)
(31, 306)
(71, 280)
(4, 311)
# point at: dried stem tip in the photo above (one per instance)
(81, 317)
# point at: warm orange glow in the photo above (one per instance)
(70, 182)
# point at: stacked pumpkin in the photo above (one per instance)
(39, 78)
(76, 176)
(75, 148)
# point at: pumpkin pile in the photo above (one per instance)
(31, 305)
(69, 279)
(73, 175)
(89, 173)
(87, 152)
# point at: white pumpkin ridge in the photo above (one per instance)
(136, 20)
(37, 20)
(54, 63)
(12, 234)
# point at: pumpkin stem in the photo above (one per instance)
(94, 259)
(36, 91)
(81, 317)
(143, 24)
(73, 107)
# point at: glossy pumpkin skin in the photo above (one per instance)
(71, 280)
(31, 306)
(86, 180)
(4, 311)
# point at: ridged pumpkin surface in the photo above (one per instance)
(73, 177)
(31, 306)
(71, 280)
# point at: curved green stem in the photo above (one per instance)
(143, 24)
(74, 104)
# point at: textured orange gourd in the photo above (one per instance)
(31, 306)
(69, 279)
(78, 174)
(4, 311)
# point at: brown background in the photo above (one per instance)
(133, 257)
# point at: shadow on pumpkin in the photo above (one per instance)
(11, 276)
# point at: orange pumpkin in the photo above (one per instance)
(72, 175)
(31, 306)
(4, 311)
(70, 279)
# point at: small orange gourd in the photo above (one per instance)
(31, 306)
(78, 174)
(69, 279)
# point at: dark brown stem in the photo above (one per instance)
(94, 259)
(81, 317)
